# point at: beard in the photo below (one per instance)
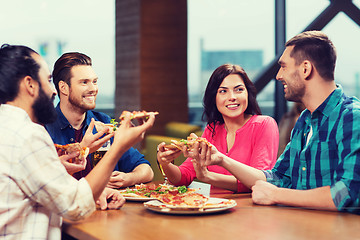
(78, 104)
(43, 107)
(295, 90)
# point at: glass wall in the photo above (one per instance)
(219, 31)
(226, 31)
(242, 32)
(344, 33)
(54, 27)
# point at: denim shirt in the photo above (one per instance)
(63, 133)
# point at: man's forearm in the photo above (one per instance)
(317, 198)
(245, 174)
(141, 174)
(222, 181)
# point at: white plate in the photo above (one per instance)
(153, 205)
(138, 199)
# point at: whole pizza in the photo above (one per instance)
(175, 198)
(155, 191)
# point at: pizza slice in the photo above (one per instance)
(137, 114)
(111, 127)
(189, 143)
(220, 204)
(70, 148)
(139, 191)
(175, 145)
(191, 200)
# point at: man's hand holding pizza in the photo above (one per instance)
(72, 156)
(95, 141)
(127, 134)
(74, 167)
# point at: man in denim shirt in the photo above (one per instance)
(76, 84)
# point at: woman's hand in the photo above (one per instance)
(166, 156)
(201, 171)
(204, 154)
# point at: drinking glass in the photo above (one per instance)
(166, 181)
(98, 154)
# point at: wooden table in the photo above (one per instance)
(245, 221)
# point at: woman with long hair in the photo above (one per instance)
(235, 127)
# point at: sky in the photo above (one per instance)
(88, 26)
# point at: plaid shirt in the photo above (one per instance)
(35, 188)
(332, 155)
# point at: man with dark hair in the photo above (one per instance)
(36, 190)
(320, 166)
(76, 83)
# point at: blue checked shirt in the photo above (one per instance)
(332, 155)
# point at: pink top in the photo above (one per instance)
(256, 144)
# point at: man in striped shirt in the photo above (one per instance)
(320, 167)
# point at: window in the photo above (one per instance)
(344, 33)
(226, 31)
(242, 32)
(54, 27)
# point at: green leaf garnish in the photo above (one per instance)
(112, 121)
(182, 189)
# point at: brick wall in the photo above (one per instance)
(151, 59)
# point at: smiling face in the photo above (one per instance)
(289, 76)
(232, 97)
(84, 88)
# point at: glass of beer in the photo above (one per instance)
(98, 154)
(166, 181)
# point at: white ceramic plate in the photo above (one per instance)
(154, 205)
(138, 199)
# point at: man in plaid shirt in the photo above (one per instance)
(36, 190)
(320, 167)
